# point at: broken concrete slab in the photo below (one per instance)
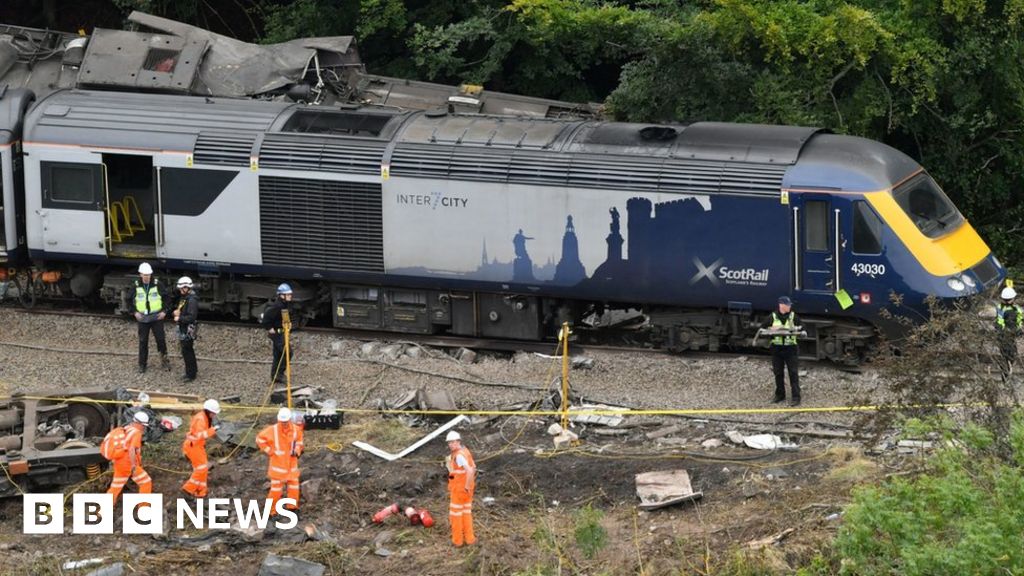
(664, 488)
(370, 350)
(734, 436)
(565, 439)
(465, 355)
(274, 565)
(392, 352)
(440, 400)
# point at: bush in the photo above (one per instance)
(591, 537)
(964, 515)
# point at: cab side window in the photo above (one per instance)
(867, 229)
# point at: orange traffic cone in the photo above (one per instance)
(384, 513)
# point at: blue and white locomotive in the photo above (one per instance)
(480, 225)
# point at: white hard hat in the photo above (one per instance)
(143, 398)
(452, 436)
(1008, 294)
(141, 417)
(145, 268)
(212, 405)
(284, 415)
(184, 281)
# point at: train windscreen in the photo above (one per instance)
(928, 206)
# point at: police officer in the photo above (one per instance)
(186, 313)
(784, 352)
(1010, 324)
(150, 313)
(271, 320)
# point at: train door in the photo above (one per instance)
(131, 201)
(816, 230)
(5, 188)
(73, 205)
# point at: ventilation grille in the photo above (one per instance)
(344, 155)
(227, 149)
(321, 224)
(587, 170)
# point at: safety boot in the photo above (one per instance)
(141, 369)
(165, 363)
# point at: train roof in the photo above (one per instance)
(700, 158)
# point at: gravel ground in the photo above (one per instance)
(235, 360)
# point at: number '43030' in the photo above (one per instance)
(860, 268)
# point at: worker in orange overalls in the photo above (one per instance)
(461, 483)
(282, 442)
(130, 464)
(200, 430)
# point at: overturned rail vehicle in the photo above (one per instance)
(478, 225)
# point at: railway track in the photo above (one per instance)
(443, 341)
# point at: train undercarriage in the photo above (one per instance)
(451, 312)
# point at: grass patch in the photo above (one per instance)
(590, 535)
(852, 466)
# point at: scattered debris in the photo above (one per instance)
(565, 439)
(116, 569)
(599, 419)
(662, 432)
(274, 565)
(915, 444)
(734, 437)
(769, 540)
(78, 564)
(392, 457)
(488, 500)
(440, 400)
(610, 431)
(465, 355)
(555, 429)
(766, 442)
(581, 363)
(673, 441)
(392, 352)
(369, 350)
(664, 488)
(711, 443)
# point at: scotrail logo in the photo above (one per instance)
(716, 273)
(144, 514)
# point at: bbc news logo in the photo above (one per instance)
(144, 514)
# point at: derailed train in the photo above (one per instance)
(492, 226)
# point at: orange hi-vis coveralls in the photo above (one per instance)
(283, 443)
(130, 465)
(195, 450)
(460, 509)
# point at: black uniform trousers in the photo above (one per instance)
(783, 358)
(188, 354)
(1007, 353)
(157, 328)
(277, 366)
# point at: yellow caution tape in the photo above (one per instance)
(572, 412)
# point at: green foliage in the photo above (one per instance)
(965, 515)
(591, 536)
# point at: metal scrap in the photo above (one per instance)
(392, 457)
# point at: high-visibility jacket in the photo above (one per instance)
(133, 441)
(199, 430)
(457, 473)
(790, 323)
(147, 298)
(283, 443)
(1009, 310)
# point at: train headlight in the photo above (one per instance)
(969, 281)
(956, 284)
